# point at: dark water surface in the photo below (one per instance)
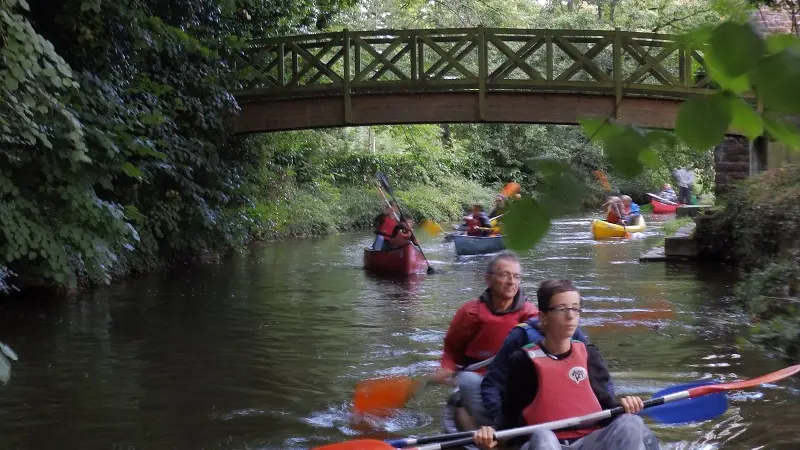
(263, 351)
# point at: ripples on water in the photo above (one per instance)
(263, 352)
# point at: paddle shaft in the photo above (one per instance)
(468, 436)
(385, 199)
(413, 237)
(663, 200)
(693, 392)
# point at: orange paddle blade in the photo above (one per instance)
(432, 228)
(382, 394)
(510, 189)
(601, 177)
(360, 444)
(744, 384)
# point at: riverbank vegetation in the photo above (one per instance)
(758, 230)
(116, 158)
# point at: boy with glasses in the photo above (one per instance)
(561, 378)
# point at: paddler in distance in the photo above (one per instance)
(479, 328)
(560, 378)
(385, 224)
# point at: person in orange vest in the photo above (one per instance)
(478, 220)
(480, 327)
(559, 378)
(385, 225)
(615, 210)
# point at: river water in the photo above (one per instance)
(263, 351)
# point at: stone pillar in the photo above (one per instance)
(731, 163)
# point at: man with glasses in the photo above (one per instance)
(560, 378)
(479, 328)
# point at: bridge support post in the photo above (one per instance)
(617, 55)
(483, 67)
(732, 163)
(348, 105)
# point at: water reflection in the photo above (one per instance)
(263, 351)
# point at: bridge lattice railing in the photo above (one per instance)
(485, 59)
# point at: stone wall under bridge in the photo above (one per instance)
(732, 162)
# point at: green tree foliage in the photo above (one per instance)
(115, 153)
(323, 181)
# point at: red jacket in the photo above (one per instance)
(470, 323)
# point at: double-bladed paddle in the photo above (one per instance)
(663, 200)
(692, 402)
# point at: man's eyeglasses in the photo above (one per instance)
(561, 309)
(505, 276)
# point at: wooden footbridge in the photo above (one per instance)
(479, 74)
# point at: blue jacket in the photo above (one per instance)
(635, 209)
(494, 383)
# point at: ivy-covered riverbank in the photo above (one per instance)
(758, 230)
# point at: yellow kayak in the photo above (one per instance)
(604, 230)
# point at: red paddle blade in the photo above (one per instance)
(378, 396)
(361, 444)
(744, 384)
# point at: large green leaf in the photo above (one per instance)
(623, 150)
(736, 84)
(525, 224)
(560, 188)
(736, 47)
(783, 132)
(703, 121)
(598, 128)
(777, 81)
(744, 118)
(777, 43)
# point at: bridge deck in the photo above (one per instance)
(464, 75)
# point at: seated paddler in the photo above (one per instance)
(385, 223)
(529, 332)
(479, 224)
(561, 378)
(479, 328)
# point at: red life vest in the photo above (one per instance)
(472, 222)
(387, 226)
(493, 331)
(564, 389)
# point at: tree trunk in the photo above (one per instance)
(371, 140)
(613, 10)
(447, 141)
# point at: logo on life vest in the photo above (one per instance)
(577, 374)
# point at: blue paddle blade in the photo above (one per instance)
(697, 409)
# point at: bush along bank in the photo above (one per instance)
(758, 230)
(114, 154)
(322, 208)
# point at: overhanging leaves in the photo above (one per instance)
(736, 47)
(525, 224)
(703, 121)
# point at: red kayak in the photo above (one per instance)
(662, 208)
(399, 261)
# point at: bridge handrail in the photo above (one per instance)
(610, 62)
